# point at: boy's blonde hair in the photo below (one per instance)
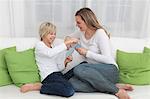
(46, 28)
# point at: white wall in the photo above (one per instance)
(121, 18)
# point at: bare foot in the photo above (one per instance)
(127, 87)
(30, 87)
(122, 94)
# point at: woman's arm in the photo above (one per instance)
(105, 56)
(103, 45)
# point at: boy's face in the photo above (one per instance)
(50, 37)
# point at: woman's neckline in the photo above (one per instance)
(87, 39)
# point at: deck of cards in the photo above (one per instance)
(71, 50)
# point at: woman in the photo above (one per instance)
(99, 72)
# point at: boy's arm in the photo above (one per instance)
(50, 52)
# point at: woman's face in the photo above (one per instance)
(80, 23)
(50, 37)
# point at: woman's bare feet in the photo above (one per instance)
(122, 94)
(30, 87)
(127, 87)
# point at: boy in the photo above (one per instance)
(51, 60)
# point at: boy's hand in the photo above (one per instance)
(70, 41)
(66, 38)
(68, 59)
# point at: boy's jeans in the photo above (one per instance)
(56, 84)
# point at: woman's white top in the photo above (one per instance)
(50, 60)
(99, 48)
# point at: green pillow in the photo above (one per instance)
(146, 50)
(134, 67)
(22, 67)
(5, 78)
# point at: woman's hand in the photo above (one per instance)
(70, 41)
(68, 59)
(82, 51)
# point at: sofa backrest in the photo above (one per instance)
(125, 44)
(21, 43)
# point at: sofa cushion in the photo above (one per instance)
(146, 50)
(22, 67)
(134, 67)
(4, 75)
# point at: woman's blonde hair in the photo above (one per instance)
(46, 28)
(90, 19)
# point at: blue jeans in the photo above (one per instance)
(57, 84)
(95, 78)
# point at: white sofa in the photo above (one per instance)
(126, 44)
